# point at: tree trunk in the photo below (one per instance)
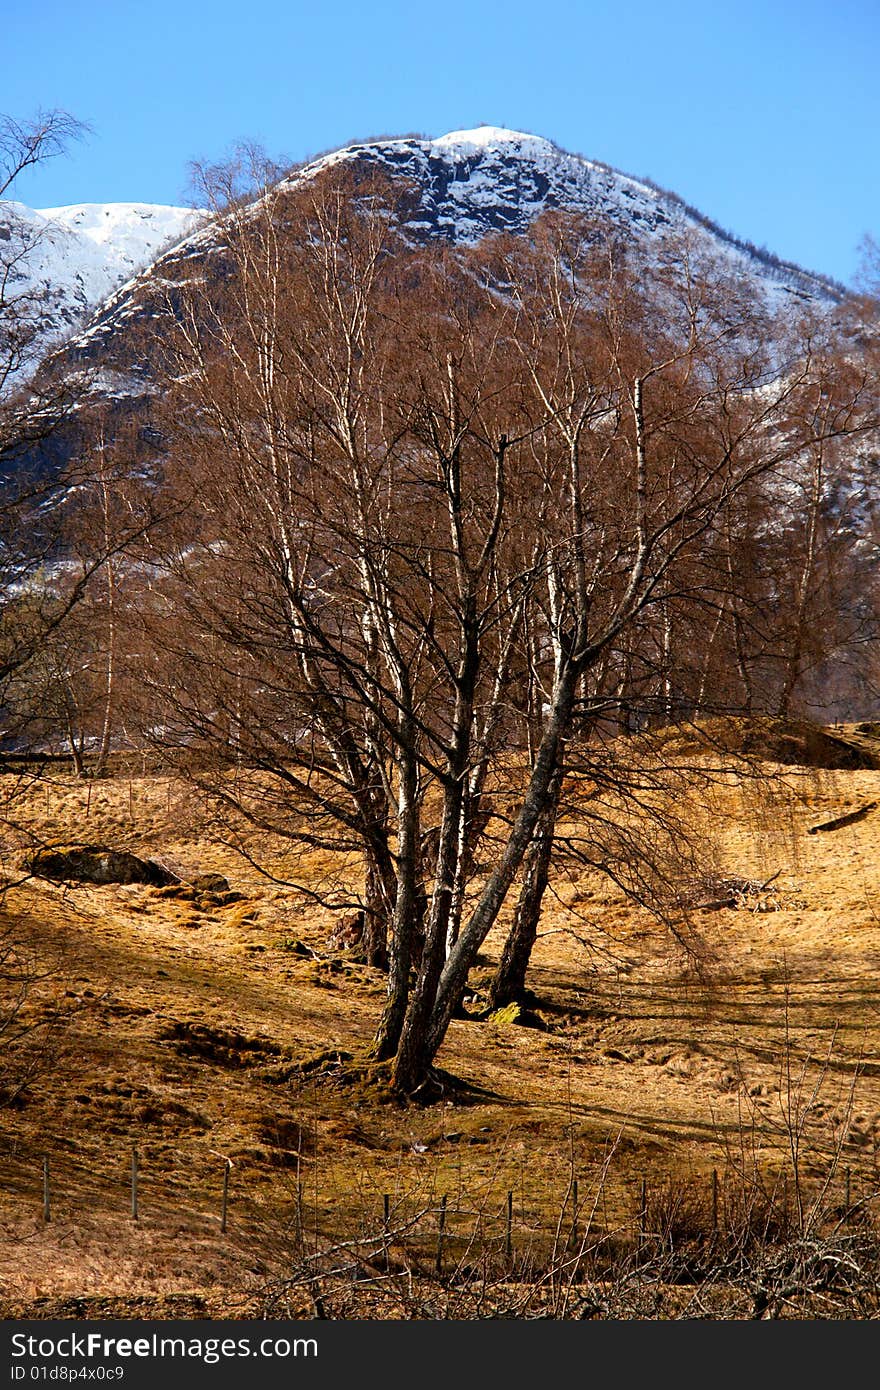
(379, 897)
(109, 679)
(666, 692)
(418, 1013)
(509, 981)
(413, 1061)
(409, 1059)
(743, 666)
(800, 620)
(406, 913)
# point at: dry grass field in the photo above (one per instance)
(180, 1025)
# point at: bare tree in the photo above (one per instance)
(28, 407)
(449, 515)
(37, 397)
(75, 689)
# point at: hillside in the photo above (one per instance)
(469, 184)
(441, 616)
(190, 1029)
(78, 256)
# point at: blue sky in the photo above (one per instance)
(764, 114)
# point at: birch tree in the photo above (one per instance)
(448, 516)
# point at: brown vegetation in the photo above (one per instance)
(201, 1033)
(436, 660)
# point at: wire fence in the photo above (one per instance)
(436, 1232)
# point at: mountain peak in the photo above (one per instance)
(467, 184)
(74, 257)
(491, 137)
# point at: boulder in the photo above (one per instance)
(97, 864)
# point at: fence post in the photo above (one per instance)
(300, 1229)
(298, 1209)
(226, 1170)
(573, 1233)
(134, 1183)
(46, 1202)
(508, 1239)
(440, 1229)
(714, 1199)
(386, 1217)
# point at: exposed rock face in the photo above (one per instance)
(464, 186)
(97, 864)
(471, 183)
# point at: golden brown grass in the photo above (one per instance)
(183, 1029)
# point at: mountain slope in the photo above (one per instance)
(469, 184)
(69, 260)
(95, 265)
(89, 263)
(491, 179)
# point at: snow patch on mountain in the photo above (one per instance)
(468, 184)
(126, 236)
(492, 137)
(69, 260)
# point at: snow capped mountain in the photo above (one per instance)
(123, 237)
(69, 260)
(94, 264)
(470, 183)
(474, 182)
(487, 137)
